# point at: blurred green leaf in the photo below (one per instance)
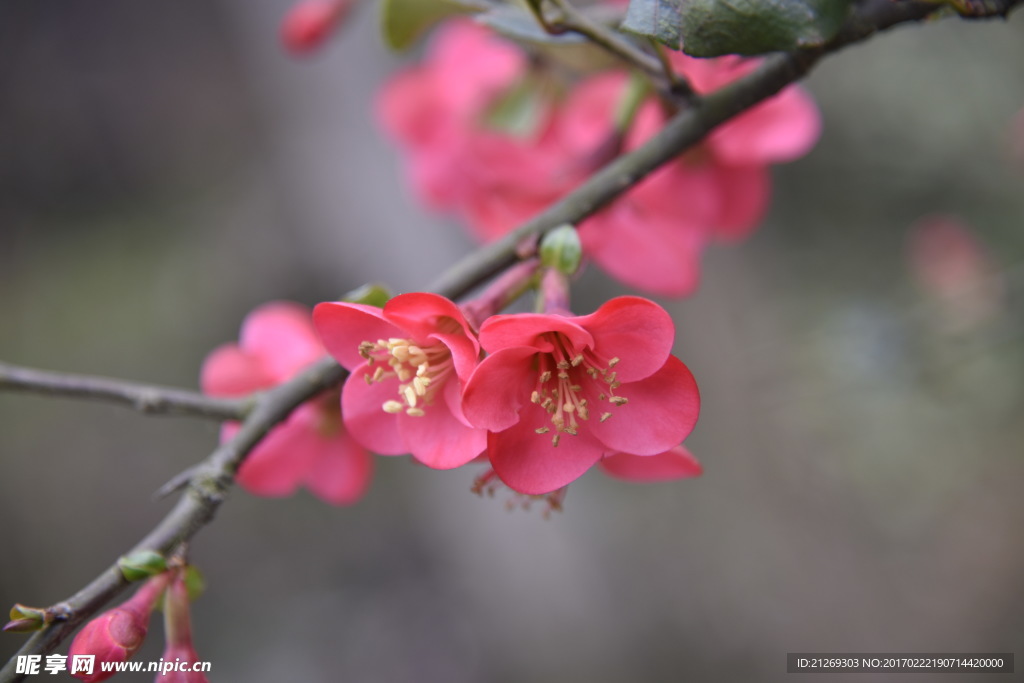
(709, 28)
(403, 21)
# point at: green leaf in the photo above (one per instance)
(141, 565)
(403, 21)
(517, 23)
(658, 19)
(369, 294)
(709, 28)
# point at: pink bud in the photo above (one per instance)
(180, 655)
(115, 635)
(309, 23)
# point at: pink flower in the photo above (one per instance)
(652, 237)
(408, 361)
(311, 22)
(115, 635)
(558, 393)
(438, 111)
(462, 159)
(311, 447)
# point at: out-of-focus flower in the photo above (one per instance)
(408, 363)
(517, 141)
(311, 448)
(558, 393)
(115, 635)
(309, 23)
(951, 265)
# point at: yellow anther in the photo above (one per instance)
(410, 396)
(613, 362)
(577, 360)
(619, 400)
(542, 430)
(535, 397)
(555, 439)
(545, 376)
(415, 412)
(392, 407)
(605, 416)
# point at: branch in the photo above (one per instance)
(683, 131)
(213, 476)
(146, 398)
(208, 489)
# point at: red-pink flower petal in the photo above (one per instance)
(528, 462)
(344, 326)
(426, 316)
(654, 253)
(230, 371)
(440, 440)
(745, 193)
(276, 466)
(281, 335)
(675, 463)
(498, 388)
(661, 412)
(531, 329)
(364, 417)
(637, 331)
(781, 129)
(340, 470)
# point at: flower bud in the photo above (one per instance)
(561, 250)
(115, 635)
(179, 655)
(25, 619)
(310, 23)
(369, 294)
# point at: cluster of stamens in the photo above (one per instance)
(420, 371)
(558, 389)
(489, 484)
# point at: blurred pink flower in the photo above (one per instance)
(464, 158)
(309, 23)
(310, 448)
(951, 264)
(558, 392)
(408, 363)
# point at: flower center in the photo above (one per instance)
(421, 371)
(559, 388)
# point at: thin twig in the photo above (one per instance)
(146, 398)
(572, 19)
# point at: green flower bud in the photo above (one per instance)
(561, 250)
(371, 295)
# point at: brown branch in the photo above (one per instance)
(146, 398)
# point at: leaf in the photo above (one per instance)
(709, 28)
(403, 21)
(517, 23)
(658, 19)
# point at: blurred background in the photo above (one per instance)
(165, 167)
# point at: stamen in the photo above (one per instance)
(392, 407)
